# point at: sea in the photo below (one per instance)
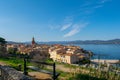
(103, 51)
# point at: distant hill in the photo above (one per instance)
(113, 41)
(11, 42)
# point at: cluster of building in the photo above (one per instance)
(61, 53)
(67, 54)
(26, 48)
(33, 49)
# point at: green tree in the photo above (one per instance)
(11, 50)
(2, 41)
(2, 46)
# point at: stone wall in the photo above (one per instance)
(8, 73)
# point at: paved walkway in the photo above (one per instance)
(61, 67)
(107, 61)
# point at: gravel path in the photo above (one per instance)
(2, 63)
(63, 68)
(40, 76)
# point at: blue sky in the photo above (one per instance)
(59, 20)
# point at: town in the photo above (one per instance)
(57, 52)
(64, 59)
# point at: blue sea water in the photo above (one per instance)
(109, 51)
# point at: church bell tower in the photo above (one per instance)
(33, 41)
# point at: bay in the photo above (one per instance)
(109, 51)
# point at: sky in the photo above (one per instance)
(59, 20)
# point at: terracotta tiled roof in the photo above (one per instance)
(69, 54)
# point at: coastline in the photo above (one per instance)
(112, 61)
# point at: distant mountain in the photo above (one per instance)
(113, 41)
(11, 42)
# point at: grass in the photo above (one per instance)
(13, 62)
(49, 61)
(91, 75)
(85, 77)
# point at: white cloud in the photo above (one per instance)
(76, 29)
(71, 33)
(67, 23)
(86, 9)
(66, 26)
(103, 1)
(98, 6)
(90, 6)
(68, 19)
(87, 3)
(54, 26)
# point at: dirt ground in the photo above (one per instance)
(40, 76)
(3, 64)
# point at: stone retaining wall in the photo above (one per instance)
(8, 73)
